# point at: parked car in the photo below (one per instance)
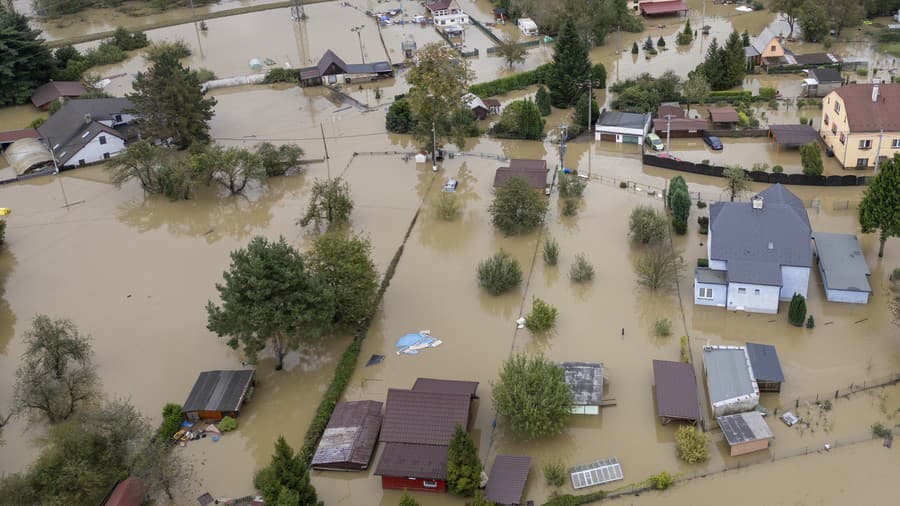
(655, 143)
(450, 185)
(713, 142)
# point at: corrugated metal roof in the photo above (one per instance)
(507, 479)
(744, 427)
(218, 391)
(441, 386)
(676, 390)
(350, 436)
(423, 417)
(843, 262)
(764, 360)
(623, 119)
(728, 373)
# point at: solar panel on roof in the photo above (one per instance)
(596, 473)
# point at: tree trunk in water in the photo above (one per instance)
(881, 247)
(279, 353)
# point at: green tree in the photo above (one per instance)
(531, 397)
(511, 51)
(542, 99)
(278, 161)
(286, 479)
(517, 208)
(530, 123)
(25, 62)
(170, 105)
(438, 82)
(127, 40)
(399, 118)
(797, 310)
(811, 159)
(675, 184)
(695, 89)
(407, 500)
(580, 117)
(647, 225)
(231, 167)
(542, 317)
(880, 206)
(463, 464)
(736, 181)
(499, 273)
(735, 60)
(571, 185)
(745, 38)
(268, 296)
(634, 48)
(790, 10)
(681, 204)
(57, 376)
(715, 67)
(598, 76)
(159, 170)
(692, 445)
(685, 36)
(844, 13)
(571, 66)
(344, 263)
(329, 201)
(814, 22)
(636, 99)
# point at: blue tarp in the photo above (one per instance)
(409, 339)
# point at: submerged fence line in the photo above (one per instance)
(845, 392)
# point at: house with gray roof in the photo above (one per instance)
(618, 126)
(843, 268)
(766, 367)
(765, 49)
(730, 380)
(86, 131)
(331, 70)
(745, 432)
(759, 253)
(821, 82)
(218, 394)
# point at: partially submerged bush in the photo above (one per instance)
(571, 185)
(679, 225)
(177, 49)
(879, 430)
(582, 271)
(551, 251)
(692, 444)
(701, 204)
(499, 273)
(659, 267)
(554, 473)
(810, 323)
(227, 424)
(661, 481)
(447, 206)
(570, 207)
(685, 350)
(662, 327)
(542, 317)
(647, 225)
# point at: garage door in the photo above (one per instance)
(630, 139)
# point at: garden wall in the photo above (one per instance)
(759, 177)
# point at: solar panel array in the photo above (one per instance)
(596, 473)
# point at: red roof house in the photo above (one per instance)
(416, 430)
(128, 492)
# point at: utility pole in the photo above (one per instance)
(589, 84)
(433, 148)
(297, 12)
(668, 128)
(322, 128)
(878, 151)
(358, 30)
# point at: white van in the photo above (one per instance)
(655, 143)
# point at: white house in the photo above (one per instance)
(447, 12)
(85, 131)
(627, 127)
(759, 253)
(843, 268)
(528, 27)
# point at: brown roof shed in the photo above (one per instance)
(669, 110)
(680, 125)
(793, 135)
(128, 492)
(13, 135)
(422, 461)
(350, 436)
(425, 418)
(536, 178)
(723, 115)
(54, 90)
(676, 390)
(440, 386)
(507, 479)
(866, 115)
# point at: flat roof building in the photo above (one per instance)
(729, 379)
(585, 381)
(745, 432)
(217, 394)
(350, 437)
(843, 268)
(507, 480)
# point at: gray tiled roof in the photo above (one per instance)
(826, 75)
(843, 262)
(764, 360)
(757, 242)
(585, 380)
(65, 128)
(623, 119)
(762, 40)
(744, 427)
(727, 373)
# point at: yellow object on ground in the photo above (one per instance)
(4, 211)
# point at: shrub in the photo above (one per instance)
(399, 119)
(685, 350)
(463, 464)
(797, 310)
(679, 225)
(623, 185)
(895, 274)
(702, 262)
(36, 122)
(811, 158)
(759, 167)
(879, 430)
(127, 40)
(407, 500)
(661, 42)
(554, 473)
(517, 208)
(531, 397)
(281, 75)
(105, 53)
(204, 75)
(634, 48)
(542, 317)
(514, 82)
(692, 444)
(659, 267)
(227, 424)
(777, 169)
(570, 207)
(703, 221)
(767, 93)
(810, 323)
(582, 271)
(551, 251)
(661, 481)
(177, 48)
(447, 206)
(171, 420)
(499, 273)
(570, 185)
(662, 327)
(701, 204)
(862, 72)
(647, 225)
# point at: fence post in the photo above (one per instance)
(797, 404)
(836, 393)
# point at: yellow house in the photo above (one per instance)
(861, 123)
(763, 47)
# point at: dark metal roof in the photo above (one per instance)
(218, 391)
(330, 59)
(816, 59)
(623, 119)
(585, 381)
(793, 135)
(843, 262)
(536, 178)
(351, 435)
(778, 234)
(423, 417)
(53, 90)
(744, 427)
(507, 479)
(764, 360)
(669, 110)
(826, 75)
(676, 390)
(65, 129)
(440, 386)
(527, 164)
(413, 460)
(723, 114)
(679, 125)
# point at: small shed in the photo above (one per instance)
(217, 394)
(350, 437)
(11, 136)
(533, 171)
(27, 155)
(442, 386)
(724, 116)
(766, 367)
(129, 492)
(622, 127)
(729, 379)
(492, 104)
(585, 381)
(528, 27)
(664, 8)
(745, 432)
(680, 127)
(670, 110)
(843, 268)
(48, 93)
(476, 105)
(676, 391)
(792, 136)
(507, 480)
(822, 82)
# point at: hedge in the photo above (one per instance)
(790, 69)
(514, 82)
(575, 500)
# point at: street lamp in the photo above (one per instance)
(358, 30)
(589, 84)
(433, 148)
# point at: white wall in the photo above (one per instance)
(766, 301)
(794, 280)
(93, 151)
(719, 293)
(736, 405)
(847, 296)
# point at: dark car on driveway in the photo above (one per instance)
(713, 142)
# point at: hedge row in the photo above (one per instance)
(514, 82)
(575, 500)
(790, 69)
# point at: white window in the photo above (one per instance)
(85, 134)
(705, 293)
(865, 144)
(429, 484)
(862, 163)
(895, 144)
(756, 291)
(742, 290)
(837, 107)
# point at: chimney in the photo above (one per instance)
(87, 118)
(875, 83)
(757, 202)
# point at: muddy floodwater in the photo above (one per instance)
(136, 271)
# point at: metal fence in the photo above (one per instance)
(844, 392)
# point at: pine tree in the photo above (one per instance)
(463, 464)
(736, 61)
(571, 66)
(797, 310)
(745, 38)
(531, 124)
(634, 48)
(25, 62)
(581, 112)
(542, 100)
(286, 479)
(713, 67)
(811, 159)
(880, 206)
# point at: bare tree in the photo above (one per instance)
(511, 50)
(659, 267)
(736, 181)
